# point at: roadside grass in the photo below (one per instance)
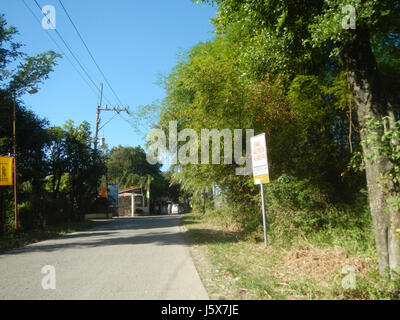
(234, 264)
(13, 241)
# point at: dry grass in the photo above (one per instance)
(239, 268)
(320, 264)
(323, 267)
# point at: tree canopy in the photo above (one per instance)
(296, 71)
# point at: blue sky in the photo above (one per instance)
(133, 41)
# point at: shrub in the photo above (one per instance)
(298, 210)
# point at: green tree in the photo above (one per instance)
(84, 166)
(307, 37)
(128, 166)
(19, 72)
(57, 160)
(30, 70)
(305, 118)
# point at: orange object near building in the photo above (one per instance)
(103, 192)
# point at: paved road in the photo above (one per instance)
(129, 258)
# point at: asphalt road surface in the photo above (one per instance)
(129, 258)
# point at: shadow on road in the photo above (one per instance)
(128, 232)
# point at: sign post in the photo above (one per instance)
(263, 215)
(260, 171)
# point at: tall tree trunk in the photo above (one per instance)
(370, 100)
(57, 190)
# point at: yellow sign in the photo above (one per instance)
(259, 159)
(261, 179)
(6, 171)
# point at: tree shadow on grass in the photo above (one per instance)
(199, 236)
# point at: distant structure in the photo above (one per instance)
(136, 201)
(133, 201)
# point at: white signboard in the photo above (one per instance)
(259, 159)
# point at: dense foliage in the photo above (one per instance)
(290, 69)
(58, 172)
(127, 167)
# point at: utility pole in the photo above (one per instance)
(14, 97)
(98, 121)
(99, 109)
(100, 100)
(15, 165)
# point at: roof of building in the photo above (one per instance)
(130, 189)
(129, 194)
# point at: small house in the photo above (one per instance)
(133, 201)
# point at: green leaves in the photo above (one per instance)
(9, 50)
(128, 166)
(384, 142)
(30, 72)
(33, 71)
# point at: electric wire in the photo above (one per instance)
(97, 65)
(78, 62)
(108, 121)
(71, 52)
(90, 53)
(128, 122)
(60, 48)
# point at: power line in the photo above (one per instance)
(128, 122)
(97, 65)
(70, 50)
(108, 121)
(59, 47)
(91, 55)
(79, 63)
